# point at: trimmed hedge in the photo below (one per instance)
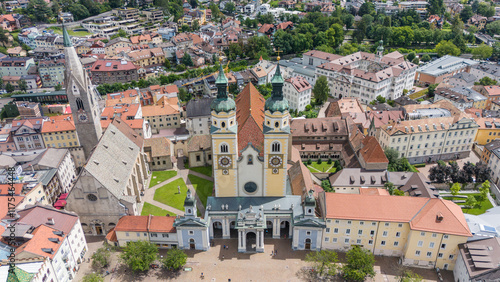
(419, 165)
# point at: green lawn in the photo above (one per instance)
(202, 187)
(207, 170)
(58, 30)
(148, 209)
(160, 176)
(167, 194)
(323, 167)
(485, 205)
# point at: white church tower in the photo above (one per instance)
(83, 99)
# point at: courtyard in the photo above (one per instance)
(219, 264)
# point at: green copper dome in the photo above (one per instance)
(222, 103)
(277, 103)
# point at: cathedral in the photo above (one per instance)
(256, 196)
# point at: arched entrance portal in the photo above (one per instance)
(98, 229)
(284, 229)
(269, 229)
(251, 241)
(308, 244)
(192, 244)
(233, 233)
(217, 228)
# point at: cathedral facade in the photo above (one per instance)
(254, 199)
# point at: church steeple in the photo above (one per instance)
(83, 98)
(66, 40)
(277, 103)
(223, 103)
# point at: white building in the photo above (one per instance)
(43, 231)
(490, 70)
(61, 160)
(297, 90)
(430, 139)
(198, 116)
(478, 261)
(249, 8)
(366, 76)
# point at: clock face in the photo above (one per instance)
(275, 161)
(224, 161)
(82, 117)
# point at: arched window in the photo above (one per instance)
(250, 159)
(275, 147)
(79, 104)
(224, 148)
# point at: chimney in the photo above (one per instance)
(439, 217)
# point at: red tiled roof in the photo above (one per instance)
(123, 110)
(419, 212)
(110, 65)
(61, 123)
(145, 223)
(41, 241)
(250, 118)
(4, 189)
(299, 83)
(372, 151)
(111, 236)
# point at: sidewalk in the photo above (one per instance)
(181, 173)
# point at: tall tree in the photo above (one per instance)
(321, 90)
(9, 88)
(186, 60)
(175, 259)
(435, 7)
(101, 257)
(359, 264)
(93, 277)
(482, 51)
(455, 188)
(466, 13)
(447, 48)
(38, 10)
(139, 255)
(324, 261)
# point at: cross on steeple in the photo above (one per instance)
(278, 51)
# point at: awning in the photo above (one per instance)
(60, 203)
(63, 196)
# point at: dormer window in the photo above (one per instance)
(250, 159)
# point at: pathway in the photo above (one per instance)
(181, 173)
(321, 113)
(150, 193)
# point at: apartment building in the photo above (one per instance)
(153, 15)
(162, 116)
(458, 100)
(52, 72)
(113, 44)
(27, 133)
(478, 260)
(297, 90)
(56, 235)
(488, 150)
(441, 69)
(60, 132)
(111, 71)
(486, 69)
(491, 92)
(438, 136)
(462, 79)
(366, 76)
(488, 130)
(126, 13)
(423, 232)
(15, 66)
(147, 57)
(198, 116)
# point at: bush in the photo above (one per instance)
(308, 107)
(329, 161)
(319, 161)
(309, 162)
(419, 165)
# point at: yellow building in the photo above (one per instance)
(488, 130)
(250, 144)
(488, 150)
(60, 132)
(423, 232)
(162, 116)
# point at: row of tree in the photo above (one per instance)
(446, 173)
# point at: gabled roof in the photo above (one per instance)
(121, 158)
(40, 242)
(198, 107)
(157, 147)
(250, 118)
(39, 215)
(199, 143)
(372, 152)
